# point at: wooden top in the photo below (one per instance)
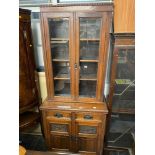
(78, 7)
(124, 39)
(74, 106)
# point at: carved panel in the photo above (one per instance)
(87, 129)
(59, 127)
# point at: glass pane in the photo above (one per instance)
(59, 127)
(59, 27)
(62, 87)
(87, 129)
(121, 127)
(87, 88)
(89, 50)
(60, 50)
(59, 38)
(61, 70)
(90, 28)
(88, 70)
(124, 95)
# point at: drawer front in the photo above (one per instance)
(90, 116)
(57, 114)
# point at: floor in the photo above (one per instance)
(32, 139)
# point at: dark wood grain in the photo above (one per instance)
(28, 92)
(28, 78)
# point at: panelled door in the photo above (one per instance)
(88, 132)
(59, 130)
(59, 55)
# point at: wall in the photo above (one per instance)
(124, 16)
(42, 83)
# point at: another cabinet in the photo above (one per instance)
(28, 93)
(28, 87)
(75, 40)
(121, 120)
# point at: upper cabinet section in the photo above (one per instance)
(75, 40)
(124, 16)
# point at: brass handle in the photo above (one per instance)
(88, 117)
(58, 115)
(20, 17)
(30, 45)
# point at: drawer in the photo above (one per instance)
(90, 116)
(58, 114)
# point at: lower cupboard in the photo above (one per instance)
(72, 128)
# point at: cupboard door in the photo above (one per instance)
(90, 53)
(59, 128)
(59, 61)
(87, 135)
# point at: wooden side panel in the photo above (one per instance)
(124, 16)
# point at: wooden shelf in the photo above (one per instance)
(62, 77)
(88, 77)
(28, 118)
(60, 39)
(60, 60)
(85, 79)
(84, 60)
(89, 39)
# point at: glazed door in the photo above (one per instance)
(124, 82)
(59, 61)
(90, 55)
